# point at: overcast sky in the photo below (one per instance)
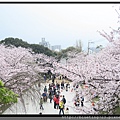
(59, 24)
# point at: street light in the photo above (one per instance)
(88, 46)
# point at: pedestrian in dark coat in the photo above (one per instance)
(45, 89)
(50, 97)
(82, 100)
(63, 99)
(53, 78)
(66, 86)
(45, 78)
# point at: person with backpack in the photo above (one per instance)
(64, 100)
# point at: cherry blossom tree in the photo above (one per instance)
(101, 73)
(20, 71)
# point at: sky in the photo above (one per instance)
(59, 24)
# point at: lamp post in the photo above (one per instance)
(88, 46)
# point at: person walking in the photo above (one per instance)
(62, 85)
(49, 89)
(64, 100)
(50, 97)
(66, 86)
(44, 97)
(75, 103)
(45, 89)
(74, 87)
(57, 102)
(78, 102)
(60, 77)
(58, 93)
(54, 89)
(61, 106)
(45, 78)
(82, 100)
(54, 99)
(41, 103)
(81, 103)
(53, 78)
(57, 85)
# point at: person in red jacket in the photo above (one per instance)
(57, 101)
(54, 99)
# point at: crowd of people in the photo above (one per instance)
(53, 93)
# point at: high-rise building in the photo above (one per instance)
(47, 44)
(56, 47)
(44, 43)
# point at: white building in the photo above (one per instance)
(44, 43)
(56, 47)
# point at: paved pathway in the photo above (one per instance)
(33, 107)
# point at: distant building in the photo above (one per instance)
(56, 47)
(95, 50)
(47, 44)
(44, 43)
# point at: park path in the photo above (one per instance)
(69, 95)
(34, 108)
